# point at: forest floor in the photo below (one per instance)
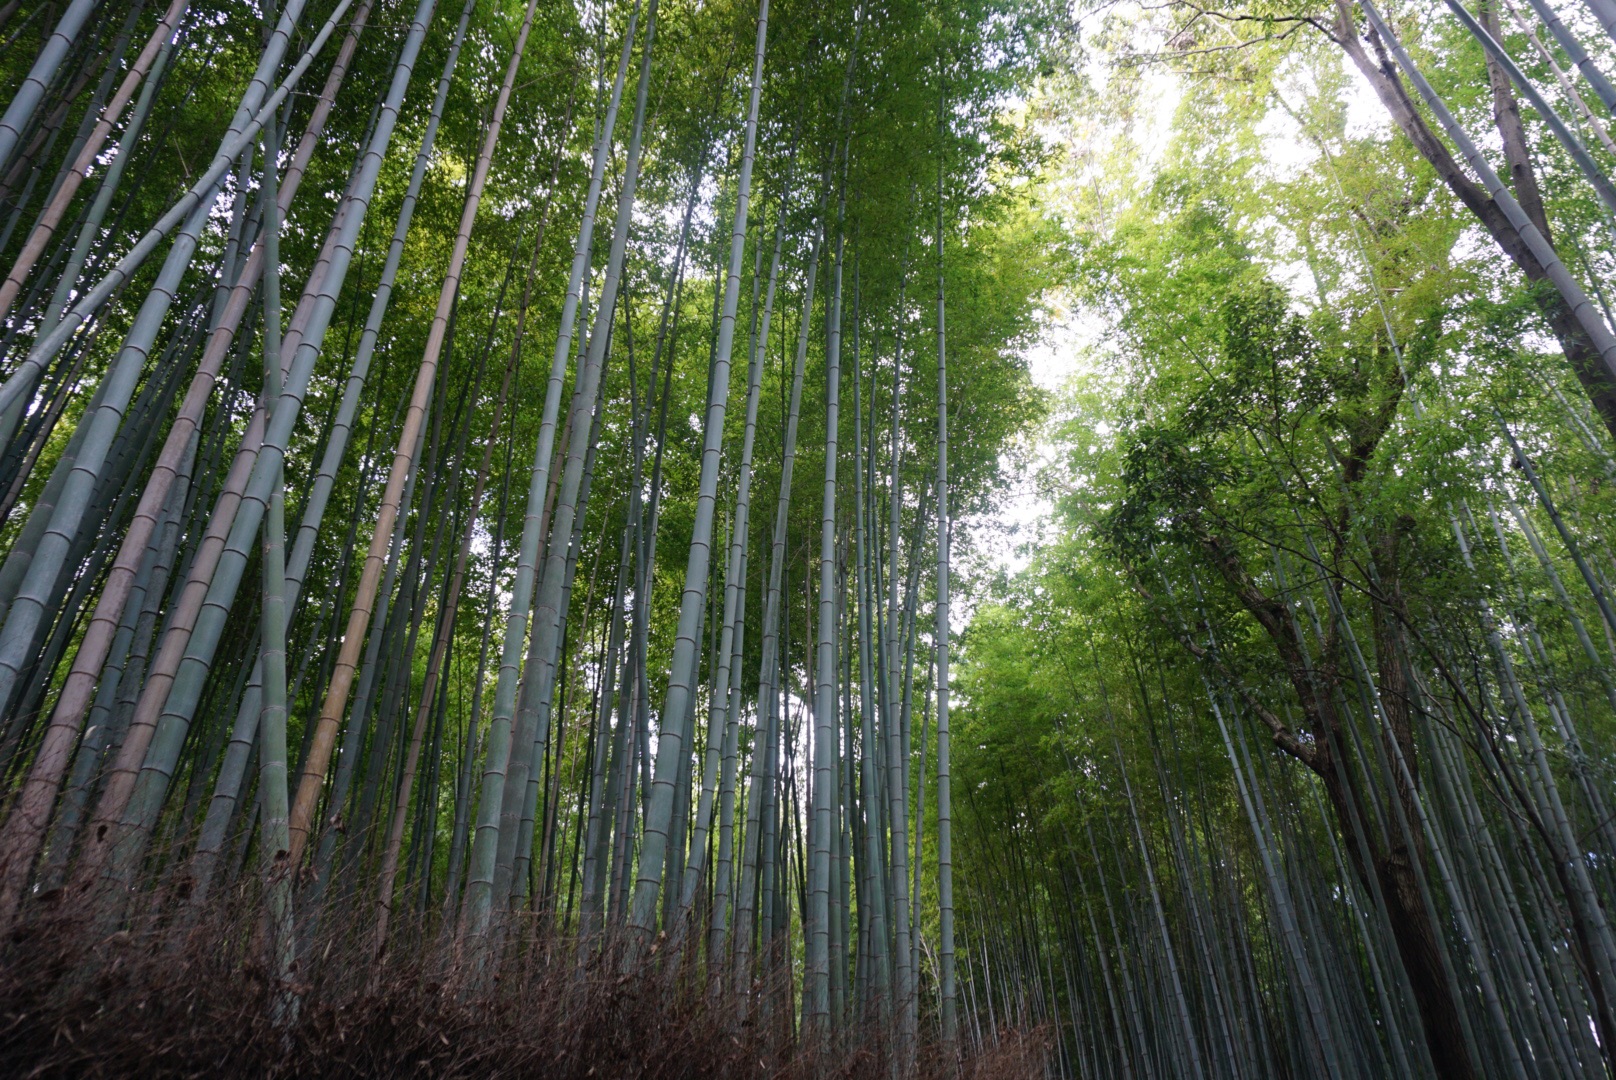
(170, 1001)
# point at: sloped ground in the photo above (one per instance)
(173, 1002)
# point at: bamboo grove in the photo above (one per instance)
(479, 477)
(1292, 744)
(503, 511)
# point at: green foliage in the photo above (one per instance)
(1296, 352)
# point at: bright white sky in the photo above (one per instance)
(1000, 541)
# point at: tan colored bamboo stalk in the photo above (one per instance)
(312, 780)
(434, 668)
(51, 217)
(24, 829)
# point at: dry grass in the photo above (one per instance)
(162, 1001)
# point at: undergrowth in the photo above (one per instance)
(163, 1000)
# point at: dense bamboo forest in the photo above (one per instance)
(978, 538)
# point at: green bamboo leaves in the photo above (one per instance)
(392, 711)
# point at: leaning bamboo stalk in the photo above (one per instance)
(443, 633)
(521, 773)
(819, 1013)
(388, 622)
(1535, 542)
(477, 907)
(72, 512)
(1523, 462)
(116, 696)
(613, 840)
(110, 62)
(312, 779)
(174, 687)
(678, 826)
(272, 650)
(757, 852)
(391, 648)
(45, 228)
(945, 874)
(147, 760)
(125, 768)
(453, 589)
(106, 496)
(523, 861)
(32, 91)
(440, 648)
(464, 783)
(617, 695)
(91, 57)
(1605, 12)
(445, 463)
(869, 766)
(1579, 154)
(222, 806)
(18, 559)
(89, 224)
(24, 827)
(742, 890)
(1585, 907)
(1567, 86)
(1576, 53)
(255, 112)
(1290, 934)
(712, 453)
(530, 733)
(1409, 814)
(70, 591)
(89, 482)
(68, 515)
(40, 428)
(1587, 316)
